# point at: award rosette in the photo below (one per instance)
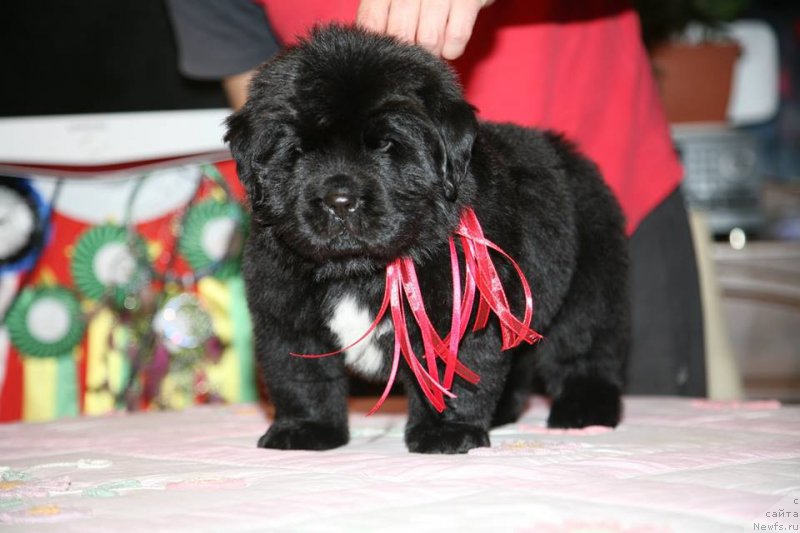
(45, 321)
(213, 237)
(106, 260)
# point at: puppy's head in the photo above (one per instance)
(355, 149)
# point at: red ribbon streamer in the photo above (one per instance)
(402, 286)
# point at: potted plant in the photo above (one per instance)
(693, 58)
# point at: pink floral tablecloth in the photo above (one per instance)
(673, 465)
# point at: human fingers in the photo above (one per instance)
(442, 26)
(403, 19)
(373, 14)
(460, 22)
(432, 24)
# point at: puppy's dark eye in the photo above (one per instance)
(380, 144)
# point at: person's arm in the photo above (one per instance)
(236, 87)
(442, 26)
(221, 41)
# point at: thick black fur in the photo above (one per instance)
(387, 124)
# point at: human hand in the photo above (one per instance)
(441, 26)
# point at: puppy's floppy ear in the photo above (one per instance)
(457, 127)
(241, 139)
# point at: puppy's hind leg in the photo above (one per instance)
(581, 359)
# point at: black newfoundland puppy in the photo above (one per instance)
(357, 150)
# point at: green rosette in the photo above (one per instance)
(212, 238)
(45, 321)
(104, 262)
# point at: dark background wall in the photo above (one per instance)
(91, 56)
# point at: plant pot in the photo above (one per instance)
(695, 79)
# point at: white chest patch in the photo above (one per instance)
(348, 323)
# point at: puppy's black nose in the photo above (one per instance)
(340, 195)
(341, 201)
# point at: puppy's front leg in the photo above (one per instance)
(310, 395)
(465, 422)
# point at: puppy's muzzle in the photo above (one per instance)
(340, 196)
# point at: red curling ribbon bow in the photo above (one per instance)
(402, 287)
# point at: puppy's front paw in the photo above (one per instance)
(303, 435)
(445, 438)
(586, 402)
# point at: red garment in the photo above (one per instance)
(579, 70)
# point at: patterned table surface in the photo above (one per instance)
(673, 465)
